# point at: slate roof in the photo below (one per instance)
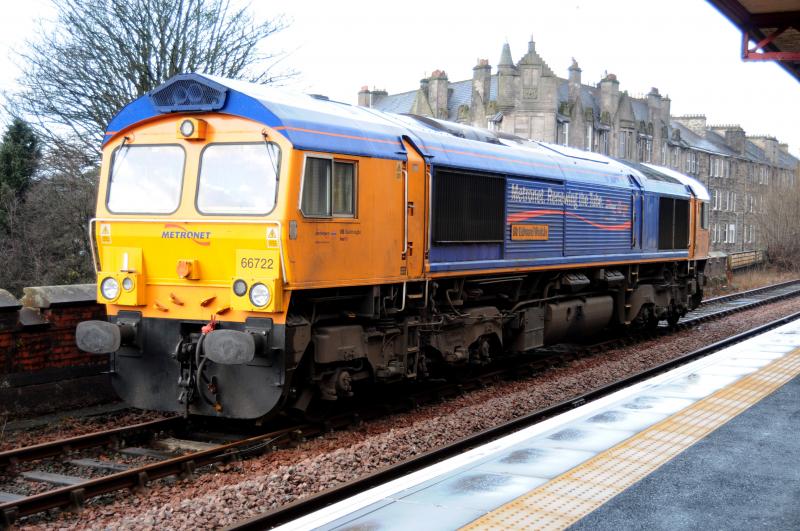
(460, 93)
(588, 95)
(719, 142)
(640, 111)
(397, 103)
(691, 139)
(788, 161)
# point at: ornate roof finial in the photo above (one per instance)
(505, 56)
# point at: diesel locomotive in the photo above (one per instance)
(258, 250)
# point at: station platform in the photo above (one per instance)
(712, 444)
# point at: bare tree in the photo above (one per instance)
(45, 238)
(104, 53)
(777, 223)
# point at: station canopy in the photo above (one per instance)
(770, 30)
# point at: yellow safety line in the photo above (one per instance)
(569, 497)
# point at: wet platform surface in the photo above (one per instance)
(712, 444)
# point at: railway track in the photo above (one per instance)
(720, 306)
(74, 491)
(315, 502)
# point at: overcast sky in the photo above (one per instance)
(685, 48)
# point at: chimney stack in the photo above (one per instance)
(574, 81)
(438, 89)
(364, 99)
(696, 123)
(609, 94)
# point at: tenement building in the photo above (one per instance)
(528, 99)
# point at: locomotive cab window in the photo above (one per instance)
(145, 179)
(329, 188)
(238, 178)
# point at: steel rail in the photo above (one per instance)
(10, 458)
(325, 498)
(690, 320)
(754, 291)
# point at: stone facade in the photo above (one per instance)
(527, 99)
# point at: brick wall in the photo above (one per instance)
(41, 369)
(48, 344)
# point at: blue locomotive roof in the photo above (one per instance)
(317, 124)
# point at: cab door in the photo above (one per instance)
(414, 221)
(637, 206)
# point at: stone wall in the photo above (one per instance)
(41, 369)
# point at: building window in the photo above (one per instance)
(626, 146)
(691, 162)
(328, 188)
(715, 199)
(563, 133)
(588, 141)
(645, 149)
(720, 167)
(602, 146)
(664, 154)
(732, 233)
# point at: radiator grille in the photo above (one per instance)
(467, 207)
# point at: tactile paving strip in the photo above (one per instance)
(571, 496)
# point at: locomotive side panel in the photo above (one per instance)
(346, 221)
(598, 220)
(535, 219)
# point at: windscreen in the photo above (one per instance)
(238, 178)
(145, 179)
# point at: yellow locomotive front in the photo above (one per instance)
(189, 263)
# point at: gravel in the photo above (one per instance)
(231, 492)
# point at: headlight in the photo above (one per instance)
(109, 288)
(239, 287)
(260, 295)
(127, 283)
(187, 128)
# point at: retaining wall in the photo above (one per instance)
(41, 369)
